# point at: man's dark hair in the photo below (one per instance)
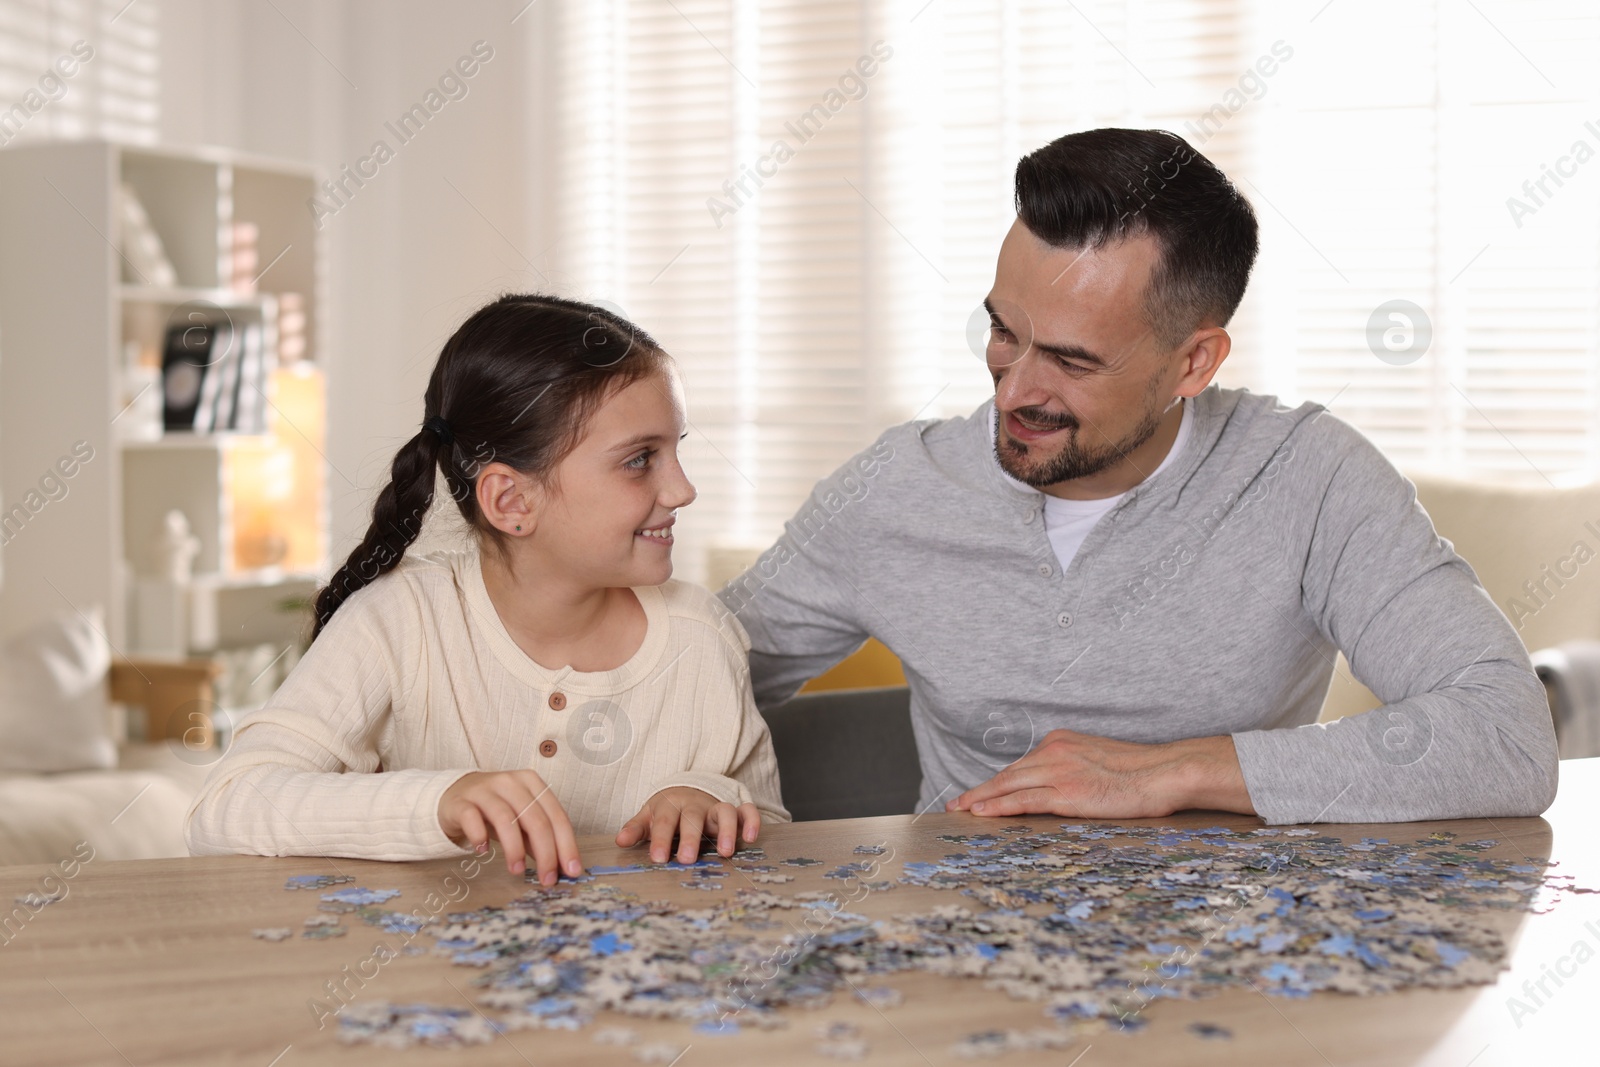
(1087, 189)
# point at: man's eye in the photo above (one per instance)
(999, 331)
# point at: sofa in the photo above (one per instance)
(65, 775)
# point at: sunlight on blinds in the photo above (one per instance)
(804, 202)
(89, 68)
(1403, 188)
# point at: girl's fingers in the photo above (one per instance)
(565, 840)
(634, 828)
(663, 823)
(507, 830)
(691, 825)
(750, 816)
(725, 823)
(535, 826)
(472, 827)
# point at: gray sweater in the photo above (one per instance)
(1210, 600)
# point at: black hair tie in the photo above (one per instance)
(440, 428)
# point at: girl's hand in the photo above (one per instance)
(518, 810)
(687, 812)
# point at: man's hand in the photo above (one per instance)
(688, 812)
(1088, 777)
(517, 809)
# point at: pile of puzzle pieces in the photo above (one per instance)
(1092, 922)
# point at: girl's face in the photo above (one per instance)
(610, 518)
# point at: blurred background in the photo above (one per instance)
(802, 200)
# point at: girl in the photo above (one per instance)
(549, 681)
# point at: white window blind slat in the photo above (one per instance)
(837, 298)
(114, 93)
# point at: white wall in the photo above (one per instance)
(409, 256)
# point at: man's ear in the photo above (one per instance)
(1201, 357)
(508, 498)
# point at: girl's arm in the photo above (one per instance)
(733, 765)
(736, 764)
(299, 776)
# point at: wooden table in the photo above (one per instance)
(152, 962)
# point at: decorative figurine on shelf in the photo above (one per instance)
(163, 599)
(177, 548)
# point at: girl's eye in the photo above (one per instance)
(641, 461)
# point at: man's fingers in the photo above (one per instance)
(1014, 779)
(1046, 800)
(999, 785)
(1034, 767)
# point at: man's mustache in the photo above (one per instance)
(1039, 417)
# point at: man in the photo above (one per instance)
(1117, 590)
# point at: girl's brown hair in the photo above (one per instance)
(515, 384)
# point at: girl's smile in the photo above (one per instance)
(661, 535)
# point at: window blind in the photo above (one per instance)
(109, 85)
(815, 300)
(1400, 188)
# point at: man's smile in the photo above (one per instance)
(1025, 430)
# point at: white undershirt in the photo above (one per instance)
(1068, 522)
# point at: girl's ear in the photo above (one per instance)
(508, 499)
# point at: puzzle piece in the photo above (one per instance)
(646, 868)
(658, 1052)
(850, 1048)
(990, 1043)
(317, 881)
(358, 896)
(847, 871)
(615, 1035)
(841, 1041)
(879, 997)
(1091, 921)
(399, 1026)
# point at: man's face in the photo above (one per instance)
(1080, 381)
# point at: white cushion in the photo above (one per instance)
(53, 698)
(124, 815)
(1510, 533)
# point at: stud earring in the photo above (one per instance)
(519, 528)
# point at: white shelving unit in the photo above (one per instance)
(75, 315)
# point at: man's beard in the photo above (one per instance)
(1077, 459)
